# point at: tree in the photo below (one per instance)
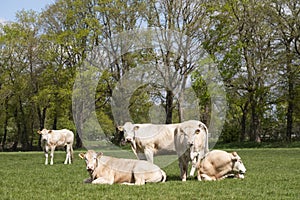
(19, 53)
(71, 29)
(284, 18)
(242, 43)
(181, 20)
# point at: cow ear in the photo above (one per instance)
(81, 155)
(50, 131)
(99, 154)
(39, 132)
(120, 128)
(136, 128)
(234, 156)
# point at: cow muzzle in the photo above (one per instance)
(90, 168)
(241, 172)
(240, 175)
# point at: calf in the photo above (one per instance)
(57, 138)
(218, 164)
(108, 170)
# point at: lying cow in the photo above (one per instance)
(57, 138)
(109, 170)
(147, 139)
(191, 144)
(219, 164)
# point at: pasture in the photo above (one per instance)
(271, 174)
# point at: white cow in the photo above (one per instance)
(57, 138)
(218, 164)
(148, 139)
(110, 170)
(191, 143)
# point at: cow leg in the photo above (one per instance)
(46, 154)
(149, 155)
(139, 181)
(198, 175)
(193, 168)
(220, 176)
(52, 154)
(126, 183)
(68, 155)
(183, 165)
(102, 180)
(207, 178)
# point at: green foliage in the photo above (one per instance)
(24, 176)
(140, 105)
(254, 45)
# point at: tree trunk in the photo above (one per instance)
(78, 117)
(254, 123)
(5, 124)
(17, 136)
(42, 117)
(290, 109)
(181, 99)
(169, 106)
(23, 131)
(54, 126)
(78, 139)
(244, 121)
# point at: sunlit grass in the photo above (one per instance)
(271, 174)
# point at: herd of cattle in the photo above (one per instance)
(189, 139)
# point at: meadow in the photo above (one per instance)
(272, 173)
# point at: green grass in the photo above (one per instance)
(271, 174)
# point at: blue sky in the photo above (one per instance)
(9, 8)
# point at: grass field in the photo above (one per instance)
(271, 174)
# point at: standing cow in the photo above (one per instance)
(110, 170)
(147, 139)
(191, 144)
(57, 138)
(218, 164)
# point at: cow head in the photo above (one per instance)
(237, 165)
(44, 134)
(91, 159)
(196, 142)
(196, 146)
(129, 130)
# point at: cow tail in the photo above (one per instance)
(164, 176)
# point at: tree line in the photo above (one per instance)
(255, 46)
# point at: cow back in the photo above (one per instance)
(60, 137)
